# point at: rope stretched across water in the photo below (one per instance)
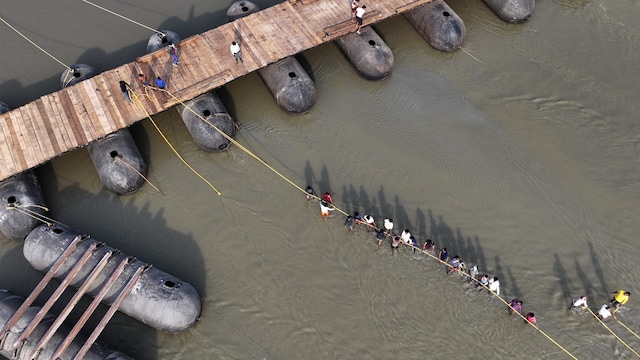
(136, 100)
(626, 327)
(613, 333)
(36, 45)
(139, 173)
(123, 17)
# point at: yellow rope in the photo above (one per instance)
(626, 327)
(137, 101)
(36, 45)
(139, 173)
(614, 334)
(236, 143)
(468, 53)
(500, 298)
(123, 17)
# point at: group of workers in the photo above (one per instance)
(619, 298)
(454, 264)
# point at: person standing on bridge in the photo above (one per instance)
(173, 51)
(354, 7)
(125, 90)
(236, 52)
(359, 14)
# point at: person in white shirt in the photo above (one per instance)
(325, 208)
(473, 273)
(235, 51)
(406, 236)
(359, 14)
(580, 302)
(388, 225)
(605, 312)
(371, 224)
(354, 6)
(494, 285)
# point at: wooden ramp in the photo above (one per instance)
(71, 118)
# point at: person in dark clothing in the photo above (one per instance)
(125, 88)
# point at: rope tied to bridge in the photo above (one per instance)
(36, 45)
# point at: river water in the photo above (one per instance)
(522, 159)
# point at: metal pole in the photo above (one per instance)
(43, 283)
(89, 311)
(74, 301)
(56, 294)
(112, 310)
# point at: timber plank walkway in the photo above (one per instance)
(72, 117)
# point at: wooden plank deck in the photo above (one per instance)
(72, 117)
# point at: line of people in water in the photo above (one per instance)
(453, 264)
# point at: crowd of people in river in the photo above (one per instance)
(453, 264)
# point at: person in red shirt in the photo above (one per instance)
(327, 197)
(531, 319)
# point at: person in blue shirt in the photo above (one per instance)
(348, 223)
(413, 243)
(160, 83)
(311, 194)
(443, 255)
(455, 264)
(358, 217)
(380, 235)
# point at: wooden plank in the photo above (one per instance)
(251, 44)
(16, 149)
(96, 109)
(410, 6)
(200, 87)
(304, 38)
(194, 60)
(8, 160)
(63, 127)
(278, 42)
(107, 102)
(27, 141)
(30, 139)
(34, 123)
(44, 110)
(98, 129)
(314, 36)
(73, 120)
(205, 58)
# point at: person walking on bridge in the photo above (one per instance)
(359, 14)
(173, 51)
(236, 52)
(125, 88)
(354, 6)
